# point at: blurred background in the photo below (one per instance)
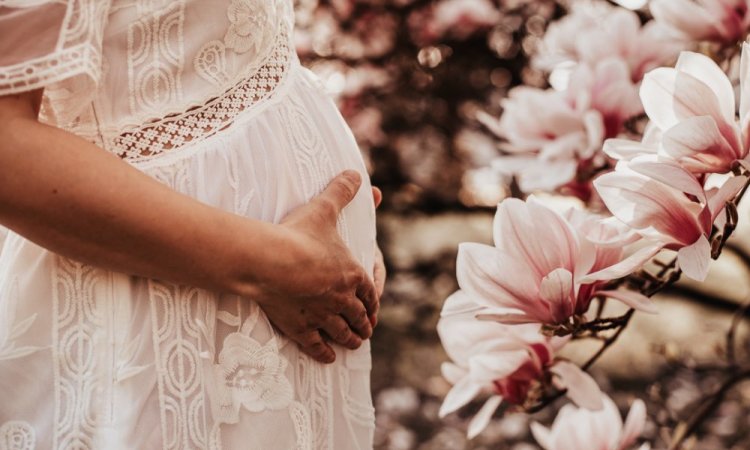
(409, 77)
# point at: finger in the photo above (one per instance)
(378, 272)
(312, 343)
(377, 196)
(356, 316)
(367, 294)
(338, 330)
(340, 191)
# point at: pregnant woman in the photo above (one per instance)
(192, 246)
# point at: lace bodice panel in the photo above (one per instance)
(141, 77)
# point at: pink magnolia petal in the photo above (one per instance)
(489, 366)
(508, 318)
(582, 389)
(726, 192)
(452, 372)
(657, 93)
(670, 173)
(493, 278)
(459, 303)
(624, 149)
(635, 300)
(536, 235)
(695, 258)
(645, 204)
(483, 417)
(686, 16)
(699, 145)
(626, 266)
(745, 93)
(461, 394)
(557, 290)
(634, 424)
(707, 71)
(543, 435)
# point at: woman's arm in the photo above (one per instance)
(77, 200)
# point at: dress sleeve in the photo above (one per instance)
(55, 45)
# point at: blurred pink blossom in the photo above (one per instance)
(545, 267)
(580, 428)
(458, 19)
(723, 21)
(547, 137)
(595, 31)
(606, 88)
(664, 202)
(506, 361)
(692, 111)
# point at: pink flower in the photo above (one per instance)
(505, 361)
(608, 89)
(547, 137)
(458, 19)
(594, 31)
(664, 202)
(723, 21)
(579, 428)
(692, 110)
(546, 268)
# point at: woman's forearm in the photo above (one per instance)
(71, 197)
(78, 200)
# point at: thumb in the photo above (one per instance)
(341, 190)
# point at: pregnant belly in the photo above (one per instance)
(268, 163)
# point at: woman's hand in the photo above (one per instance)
(320, 291)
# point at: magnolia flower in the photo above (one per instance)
(580, 428)
(457, 18)
(723, 21)
(546, 268)
(506, 361)
(594, 31)
(547, 137)
(692, 109)
(663, 201)
(607, 89)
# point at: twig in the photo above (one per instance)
(732, 332)
(709, 404)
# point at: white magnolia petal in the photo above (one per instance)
(634, 424)
(699, 139)
(695, 258)
(542, 434)
(671, 174)
(483, 417)
(726, 192)
(625, 149)
(461, 394)
(745, 89)
(556, 289)
(582, 389)
(706, 70)
(452, 372)
(635, 300)
(657, 94)
(626, 266)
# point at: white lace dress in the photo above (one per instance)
(208, 97)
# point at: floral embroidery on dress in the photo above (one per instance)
(251, 375)
(248, 19)
(14, 329)
(17, 435)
